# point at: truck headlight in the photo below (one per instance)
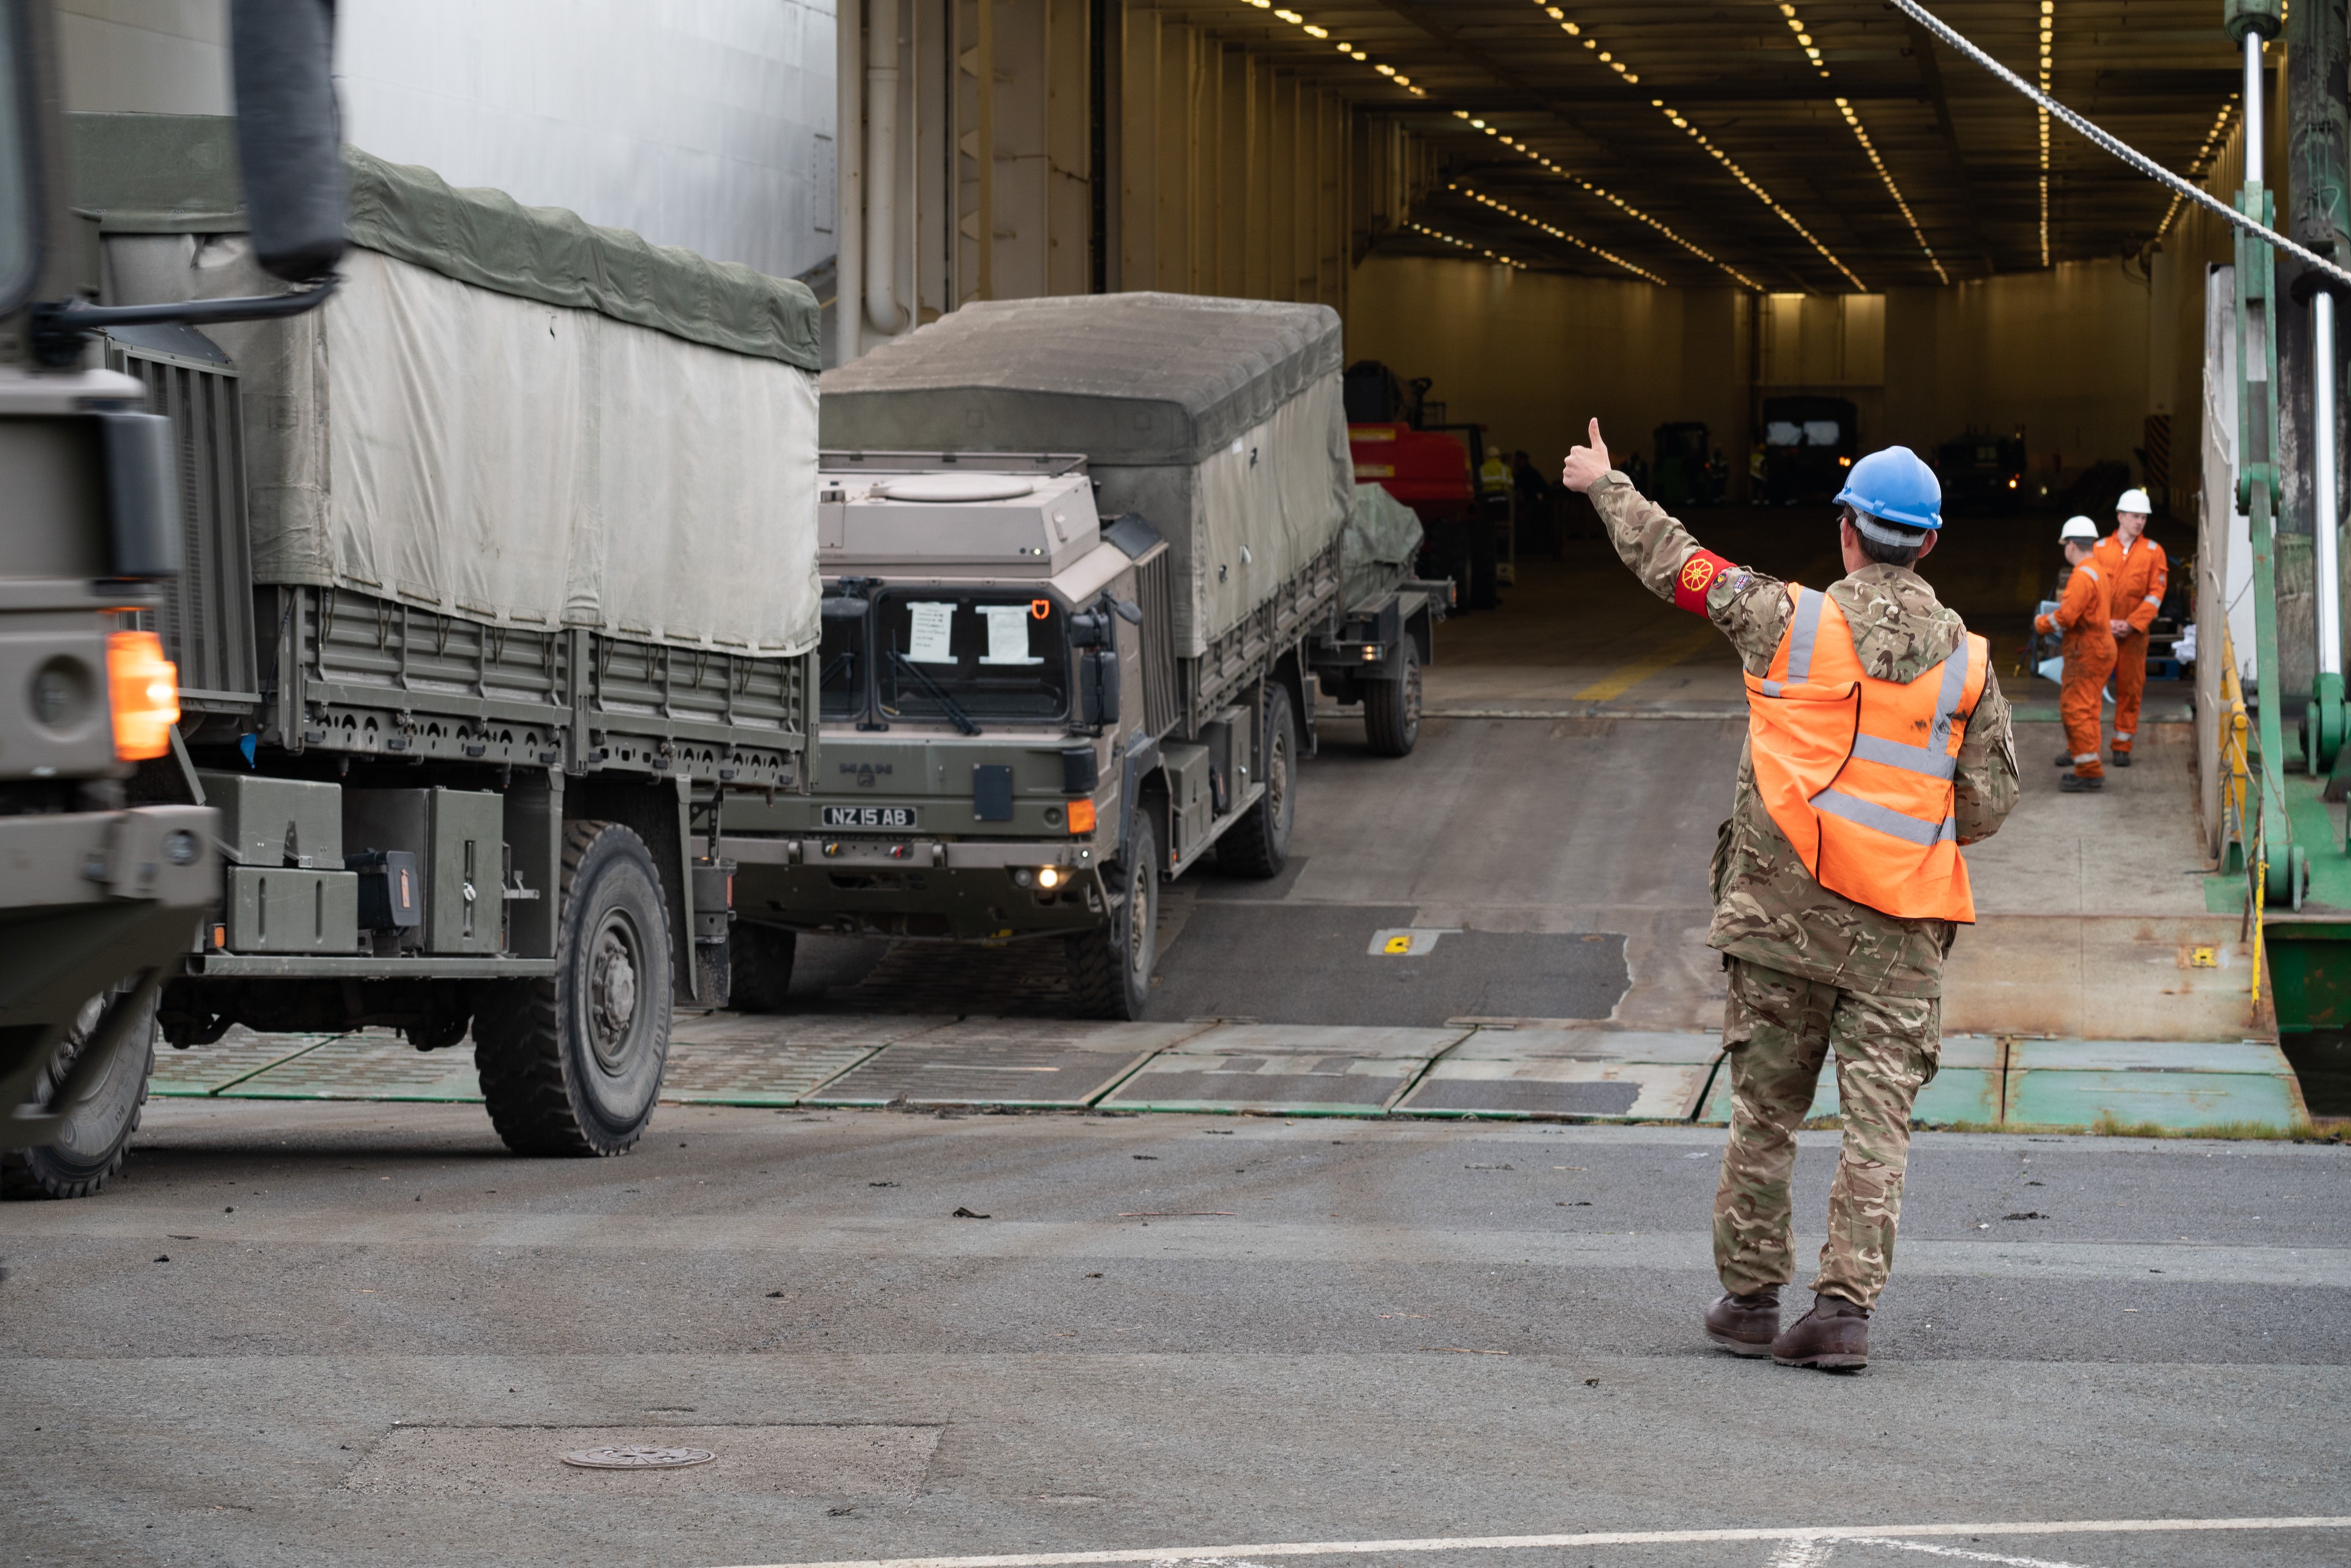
(1051, 876)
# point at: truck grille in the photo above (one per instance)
(1160, 703)
(206, 622)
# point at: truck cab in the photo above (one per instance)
(985, 636)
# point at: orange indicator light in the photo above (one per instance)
(145, 689)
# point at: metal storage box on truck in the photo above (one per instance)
(526, 517)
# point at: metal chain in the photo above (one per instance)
(2130, 155)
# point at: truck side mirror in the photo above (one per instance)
(290, 135)
(1097, 688)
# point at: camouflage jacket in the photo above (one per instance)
(1768, 909)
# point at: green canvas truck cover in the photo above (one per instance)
(504, 412)
(1219, 420)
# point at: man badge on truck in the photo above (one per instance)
(865, 772)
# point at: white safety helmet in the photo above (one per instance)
(2135, 501)
(2078, 528)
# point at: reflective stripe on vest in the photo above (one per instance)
(1803, 630)
(1830, 751)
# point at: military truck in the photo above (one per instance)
(101, 889)
(1086, 564)
(499, 577)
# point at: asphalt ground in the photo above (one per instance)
(376, 1331)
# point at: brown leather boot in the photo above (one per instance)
(1832, 1336)
(1745, 1326)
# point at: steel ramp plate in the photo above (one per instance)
(2176, 1102)
(1043, 1073)
(1073, 1034)
(1284, 1039)
(1965, 1087)
(1271, 1082)
(2147, 1056)
(738, 1073)
(1571, 1042)
(743, 1059)
(235, 1057)
(373, 1065)
(1615, 1091)
(869, 1030)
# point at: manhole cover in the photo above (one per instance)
(636, 1459)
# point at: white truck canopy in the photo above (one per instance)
(503, 413)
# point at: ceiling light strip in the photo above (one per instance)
(1555, 231)
(2048, 40)
(1362, 57)
(2197, 165)
(1803, 38)
(1604, 193)
(1892, 190)
(1466, 245)
(1804, 41)
(1576, 30)
(1730, 166)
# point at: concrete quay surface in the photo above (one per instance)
(1172, 1337)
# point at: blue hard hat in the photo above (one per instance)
(1897, 485)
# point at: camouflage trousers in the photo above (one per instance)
(1778, 1030)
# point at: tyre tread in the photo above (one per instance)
(1385, 726)
(1247, 847)
(28, 1174)
(531, 1103)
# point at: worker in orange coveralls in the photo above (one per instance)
(2085, 616)
(2136, 573)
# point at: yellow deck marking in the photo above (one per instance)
(1664, 656)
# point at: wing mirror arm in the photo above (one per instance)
(60, 328)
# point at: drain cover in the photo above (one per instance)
(636, 1459)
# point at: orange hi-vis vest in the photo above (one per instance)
(1856, 771)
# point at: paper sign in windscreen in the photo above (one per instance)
(1007, 635)
(927, 640)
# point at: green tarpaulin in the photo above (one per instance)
(177, 174)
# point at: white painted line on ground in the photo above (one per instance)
(1960, 1551)
(1873, 1533)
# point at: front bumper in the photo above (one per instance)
(154, 854)
(90, 898)
(944, 890)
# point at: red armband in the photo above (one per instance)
(1696, 577)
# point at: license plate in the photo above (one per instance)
(869, 816)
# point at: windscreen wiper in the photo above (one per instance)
(948, 704)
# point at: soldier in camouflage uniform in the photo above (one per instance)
(1811, 972)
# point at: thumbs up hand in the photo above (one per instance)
(1585, 464)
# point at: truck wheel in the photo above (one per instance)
(1110, 974)
(1392, 708)
(762, 960)
(89, 1151)
(571, 1064)
(1258, 844)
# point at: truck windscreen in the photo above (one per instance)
(998, 655)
